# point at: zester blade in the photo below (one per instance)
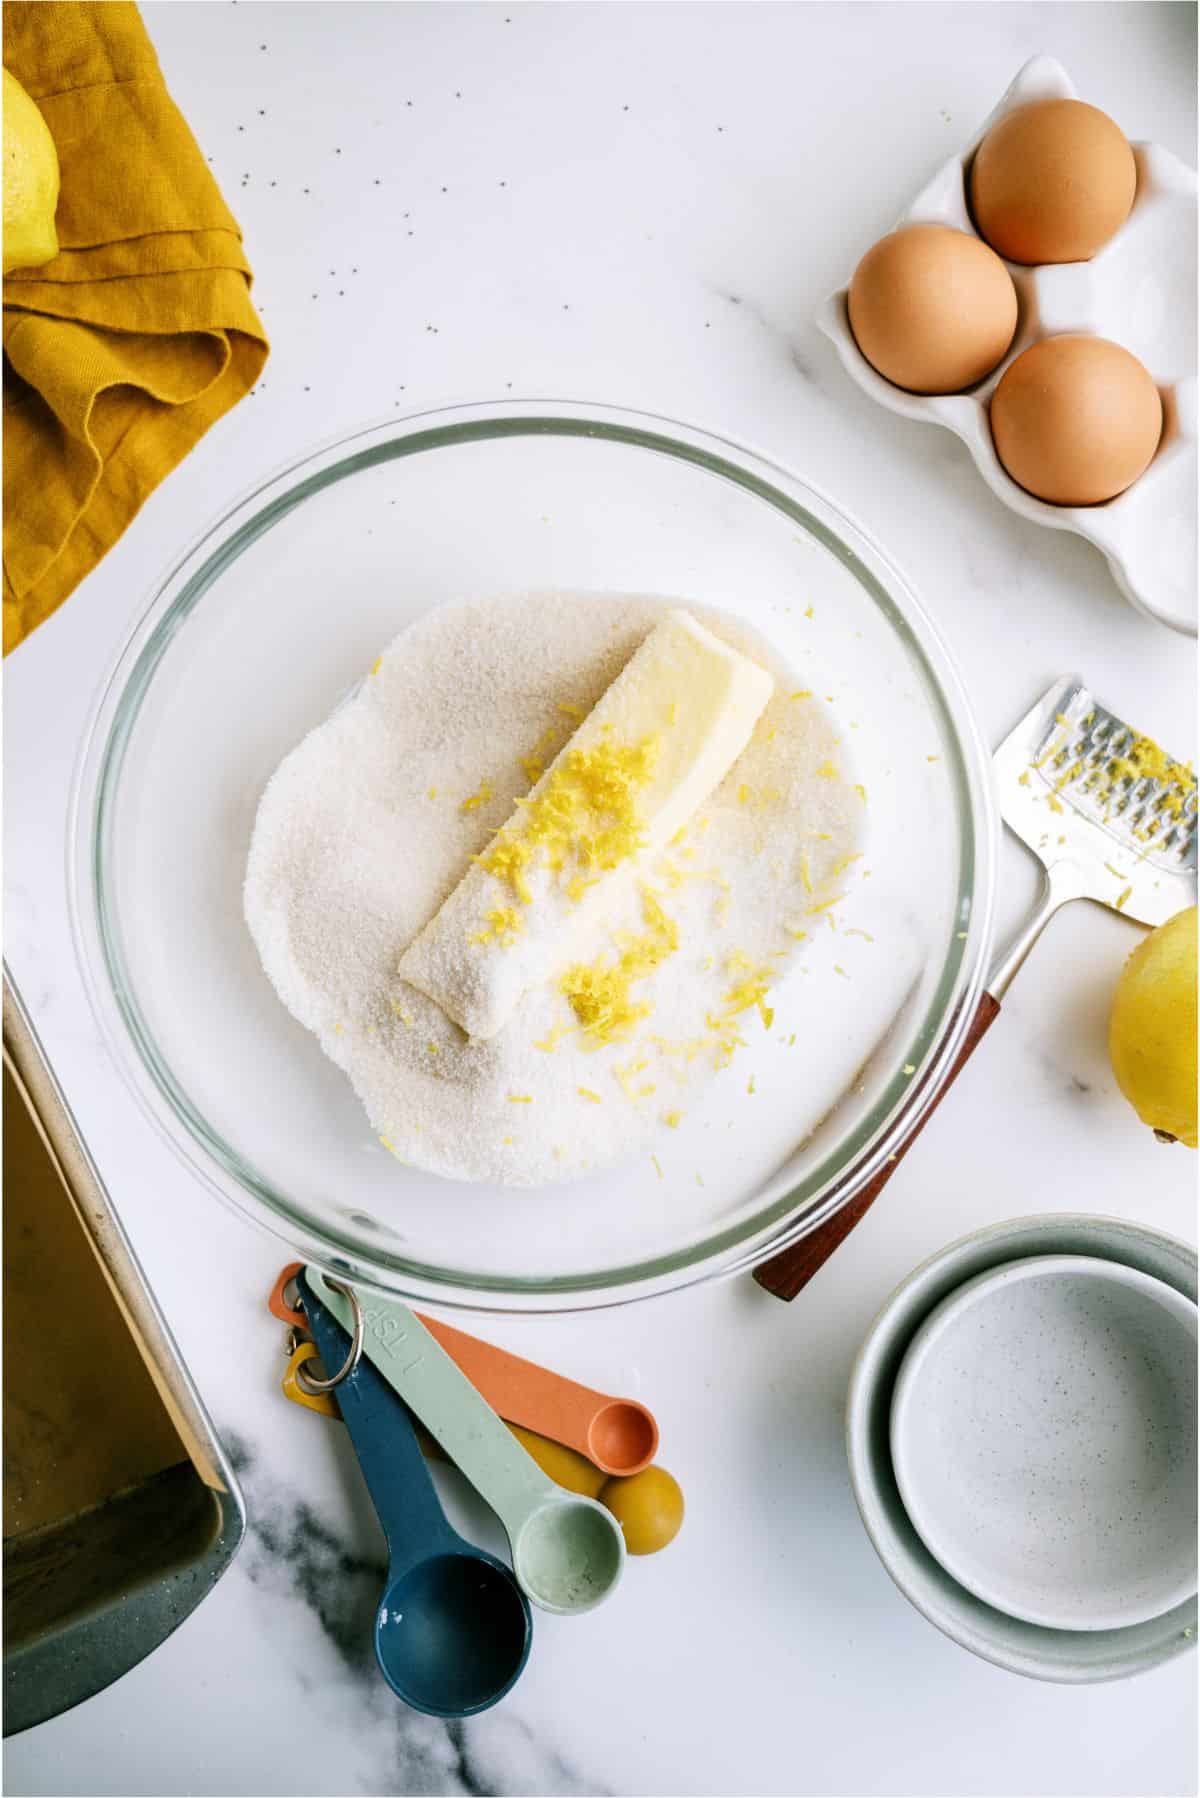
(1078, 784)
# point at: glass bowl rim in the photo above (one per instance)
(939, 1034)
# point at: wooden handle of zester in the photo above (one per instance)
(789, 1272)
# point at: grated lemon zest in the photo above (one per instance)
(1054, 749)
(505, 924)
(690, 1048)
(599, 992)
(625, 1076)
(587, 813)
(757, 800)
(479, 798)
(1143, 759)
(747, 993)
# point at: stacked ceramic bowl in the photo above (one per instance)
(1021, 1430)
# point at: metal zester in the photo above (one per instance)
(1109, 815)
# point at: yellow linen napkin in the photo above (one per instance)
(140, 334)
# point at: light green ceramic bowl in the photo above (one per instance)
(1068, 1656)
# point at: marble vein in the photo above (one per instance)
(291, 1548)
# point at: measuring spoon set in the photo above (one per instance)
(453, 1627)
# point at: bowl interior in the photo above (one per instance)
(1067, 1656)
(267, 624)
(1044, 1444)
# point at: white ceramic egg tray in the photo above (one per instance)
(1139, 291)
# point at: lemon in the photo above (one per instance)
(1152, 1030)
(30, 181)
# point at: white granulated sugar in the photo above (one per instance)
(361, 834)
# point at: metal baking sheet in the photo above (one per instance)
(121, 1509)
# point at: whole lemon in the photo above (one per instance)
(1152, 1030)
(30, 181)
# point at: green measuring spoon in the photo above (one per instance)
(567, 1550)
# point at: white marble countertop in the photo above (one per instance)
(640, 204)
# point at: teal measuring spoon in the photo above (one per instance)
(567, 1550)
(452, 1629)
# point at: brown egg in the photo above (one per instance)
(1052, 182)
(932, 309)
(1076, 420)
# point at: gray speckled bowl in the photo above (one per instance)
(1066, 1655)
(1043, 1440)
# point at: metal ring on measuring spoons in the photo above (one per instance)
(309, 1382)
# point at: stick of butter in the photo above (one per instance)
(660, 740)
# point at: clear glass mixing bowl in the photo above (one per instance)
(261, 628)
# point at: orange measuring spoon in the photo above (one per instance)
(618, 1435)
